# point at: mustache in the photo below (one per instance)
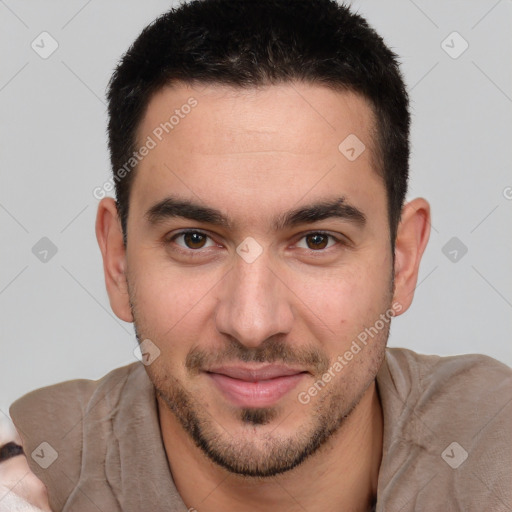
(272, 350)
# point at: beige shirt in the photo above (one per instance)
(447, 438)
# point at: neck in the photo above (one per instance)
(344, 472)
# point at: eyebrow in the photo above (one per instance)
(172, 207)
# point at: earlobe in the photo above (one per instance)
(110, 240)
(411, 241)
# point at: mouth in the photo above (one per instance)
(255, 386)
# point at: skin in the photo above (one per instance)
(253, 155)
(18, 485)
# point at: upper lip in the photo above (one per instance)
(255, 373)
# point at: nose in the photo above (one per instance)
(254, 304)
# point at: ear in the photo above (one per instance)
(110, 239)
(412, 237)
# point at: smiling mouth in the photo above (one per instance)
(260, 386)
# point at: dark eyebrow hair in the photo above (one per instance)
(174, 207)
(337, 208)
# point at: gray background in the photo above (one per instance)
(56, 321)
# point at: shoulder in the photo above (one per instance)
(446, 429)
(77, 392)
(409, 370)
(51, 422)
(464, 388)
(61, 407)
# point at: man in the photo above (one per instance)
(261, 246)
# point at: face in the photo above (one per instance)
(259, 265)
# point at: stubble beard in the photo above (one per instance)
(257, 451)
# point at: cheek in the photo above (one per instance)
(172, 304)
(351, 296)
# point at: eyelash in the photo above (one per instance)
(192, 252)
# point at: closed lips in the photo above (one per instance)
(255, 387)
(255, 374)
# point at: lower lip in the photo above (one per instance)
(263, 393)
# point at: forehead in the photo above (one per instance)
(263, 147)
(273, 116)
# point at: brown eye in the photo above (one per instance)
(317, 241)
(194, 240)
(190, 242)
